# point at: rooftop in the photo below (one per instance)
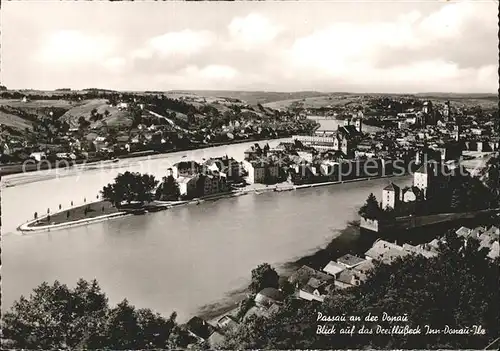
(303, 275)
(392, 187)
(350, 260)
(200, 327)
(333, 268)
(270, 293)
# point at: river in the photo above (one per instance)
(333, 124)
(177, 260)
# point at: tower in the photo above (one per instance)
(427, 107)
(446, 111)
(358, 123)
(390, 196)
(457, 129)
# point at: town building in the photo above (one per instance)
(200, 329)
(432, 177)
(188, 186)
(427, 107)
(255, 151)
(420, 250)
(261, 171)
(347, 279)
(212, 183)
(227, 323)
(391, 196)
(267, 297)
(411, 194)
(446, 111)
(320, 142)
(311, 285)
(185, 168)
(226, 166)
(384, 251)
(333, 268)
(38, 156)
(350, 261)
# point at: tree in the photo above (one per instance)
(264, 276)
(370, 209)
(287, 288)
(106, 113)
(58, 317)
(83, 123)
(130, 187)
(168, 189)
(244, 306)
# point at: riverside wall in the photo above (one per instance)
(411, 222)
(29, 226)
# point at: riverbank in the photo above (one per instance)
(352, 240)
(12, 169)
(348, 240)
(103, 210)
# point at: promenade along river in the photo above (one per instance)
(181, 259)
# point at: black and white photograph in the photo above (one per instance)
(264, 175)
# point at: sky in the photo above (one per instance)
(356, 46)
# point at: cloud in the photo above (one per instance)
(74, 47)
(218, 72)
(202, 77)
(115, 64)
(186, 42)
(253, 30)
(452, 48)
(448, 47)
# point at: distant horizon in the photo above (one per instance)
(258, 91)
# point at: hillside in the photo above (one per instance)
(330, 100)
(485, 101)
(116, 118)
(251, 97)
(13, 121)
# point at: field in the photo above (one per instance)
(116, 117)
(330, 100)
(486, 101)
(14, 121)
(73, 110)
(251, 97)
